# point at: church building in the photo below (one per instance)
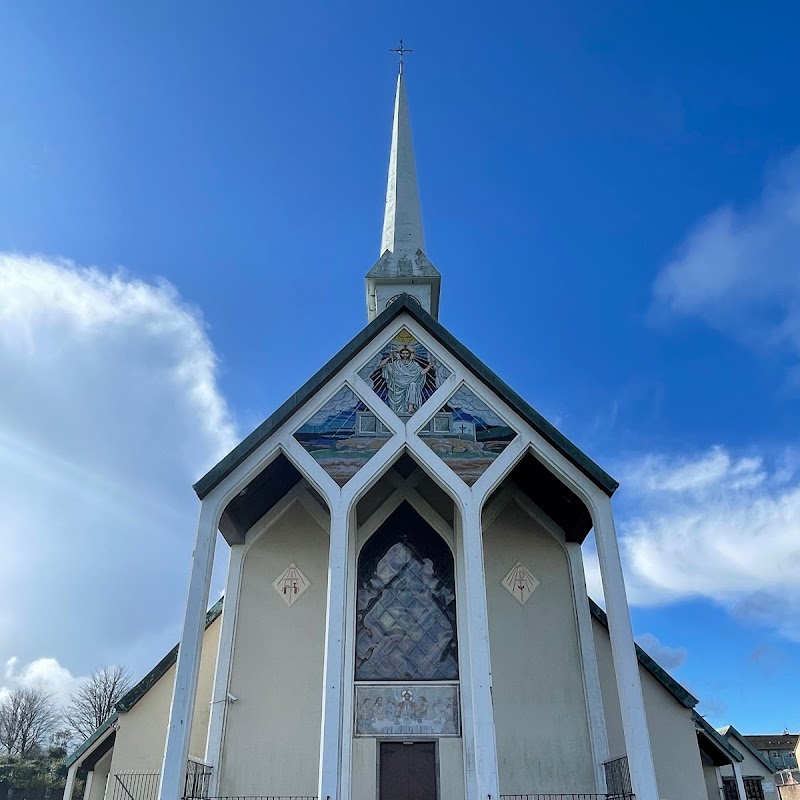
(406, 614)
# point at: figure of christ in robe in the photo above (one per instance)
(405, 380)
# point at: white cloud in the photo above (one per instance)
(44, 673)
(668, 657)
(110, 409)
(714, 526)
(739, 270)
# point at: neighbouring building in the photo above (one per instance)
(757, 771)
(779, 749)
(406, 613)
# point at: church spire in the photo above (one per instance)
(402, 219)
(402, 266)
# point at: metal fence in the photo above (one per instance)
(198, 779)
(144, 785)
(134, 785)
(568, 796)
(618, 778)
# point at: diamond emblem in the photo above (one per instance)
(520, 583)
(291, 584)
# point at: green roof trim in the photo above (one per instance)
(729, 729)
(720, 741)
(96, 738)
(407, 304)
(134, 695)
(684, 697)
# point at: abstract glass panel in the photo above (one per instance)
(343, 435)
(404, 374)
(467, 435)
(406, 605)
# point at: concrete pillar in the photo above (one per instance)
(589, 670)
(333, 688)
(626, 666)
(484, 782)
(69, 786)
(176, 752)
(737, 773)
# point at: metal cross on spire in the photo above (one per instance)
(400, 50)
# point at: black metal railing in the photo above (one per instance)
(618, 778)
(198, 781)
(134, 785)
(567, 796)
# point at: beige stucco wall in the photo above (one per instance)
(676, 756)
(142, 733)
(752, 768)
(451, 769)
(543, 740)
(271, 739)
(713, 789)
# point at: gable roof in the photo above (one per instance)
(409, 305)
(135, 694)
(684, 697)
(714, 738)
(729, 730)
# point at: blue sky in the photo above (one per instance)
(610, 193)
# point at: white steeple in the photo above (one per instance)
(402, 266)
(402, 220)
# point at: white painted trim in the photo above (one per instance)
(626, 665)
(481, 748)
(737, 773)
(332, 766)
(222, 672)
(589, 670)
(181, 713)
(69, 786)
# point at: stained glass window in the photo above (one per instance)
(406, 608)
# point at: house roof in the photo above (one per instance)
(684, 697)
(775, 741)
(714, 741)
(134, 695)
(104, 732)
(729, 731)
(409, 305)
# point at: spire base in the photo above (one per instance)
(398, 273)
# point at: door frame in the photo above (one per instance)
(400, 740)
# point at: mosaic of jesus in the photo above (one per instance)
(404, 374)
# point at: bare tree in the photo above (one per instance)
(95, 699)
(27, 718)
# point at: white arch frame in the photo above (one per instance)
(481, 780)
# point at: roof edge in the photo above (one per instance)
(682, 695)
(137, 692)
(712, 733)
(729, 729)
(405, 303)
(98, 737)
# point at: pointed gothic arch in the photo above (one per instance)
(406, 623)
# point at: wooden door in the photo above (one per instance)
(407, 771)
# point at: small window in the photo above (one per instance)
(368, 423)
(443, 423)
